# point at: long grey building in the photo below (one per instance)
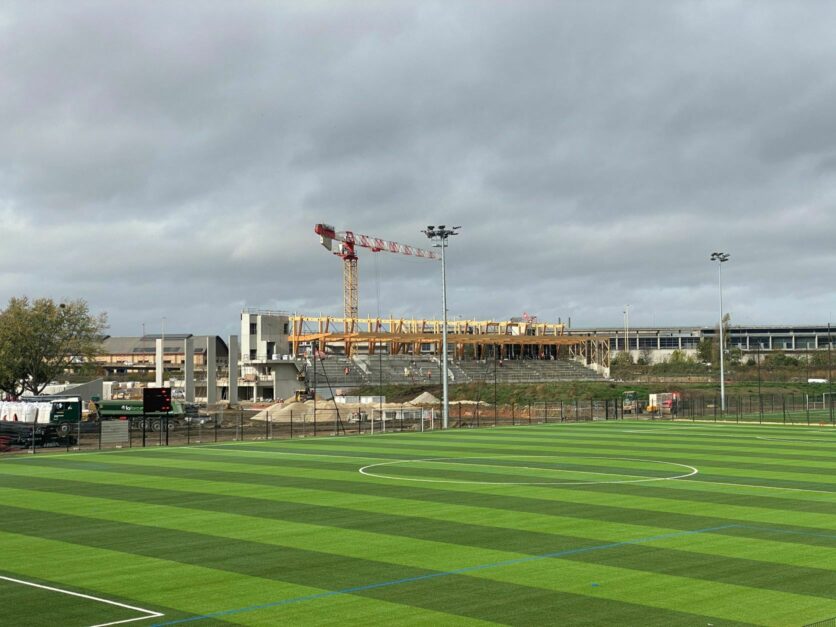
(659, 342)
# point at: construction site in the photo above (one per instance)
(352, 351)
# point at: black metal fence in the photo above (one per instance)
(252, 425)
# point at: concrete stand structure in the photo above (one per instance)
(232, 394)
(188, 368)
(211, 372)
(159, 364)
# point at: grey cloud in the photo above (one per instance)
(172, 159)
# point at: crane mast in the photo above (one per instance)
(345, 250)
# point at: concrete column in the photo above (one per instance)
(188, 368)
(159, 363)
(211, 371)
(232, 395)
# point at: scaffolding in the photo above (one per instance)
(468, 339)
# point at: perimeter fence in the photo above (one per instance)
(334, 421)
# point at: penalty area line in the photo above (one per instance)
(148, 613)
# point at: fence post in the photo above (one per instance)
(561, 410)
(577, 411)
(291, 424)
(529, 413)
(513, 417)
(546, 412)
(784, 407)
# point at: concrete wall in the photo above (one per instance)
(269, 328)
(211, 371)
(232, 389)
(188, 369)
(285, 382)
(159, 364)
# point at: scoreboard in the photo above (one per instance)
(156, 400)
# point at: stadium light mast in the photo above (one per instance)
(721, 258)
(440, 234)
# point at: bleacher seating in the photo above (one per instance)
(331, 370)
(405, 370)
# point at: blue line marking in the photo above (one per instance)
(458, 571)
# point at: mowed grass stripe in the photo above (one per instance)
(612, 574)
(801, 486)
(343, 479)
(674, 512)
(473, 531)
(688, 563)
(473, 597)
(743, 446)
(176, 589)
(759, 456)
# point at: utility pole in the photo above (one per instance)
(721, 258)
(760, 398)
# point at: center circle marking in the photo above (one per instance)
(367, 470)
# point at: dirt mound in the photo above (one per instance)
(425, 398)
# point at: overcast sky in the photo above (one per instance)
(170, 159)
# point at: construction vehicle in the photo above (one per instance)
(46, 419)
(630, 402)
(663, 403)
(133, 410)
(345, 251)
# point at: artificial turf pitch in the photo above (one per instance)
(620, 523)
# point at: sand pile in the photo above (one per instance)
(425, 398)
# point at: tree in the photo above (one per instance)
(705, 350)
(39, 339)
(622, 360)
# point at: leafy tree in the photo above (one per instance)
(622, 360)
(39, 339)
(680, 358)
(705, 350)
(708, 350)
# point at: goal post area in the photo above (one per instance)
(39, 603)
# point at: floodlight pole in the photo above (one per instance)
(440, 234)
(721, 258)
(830, 370)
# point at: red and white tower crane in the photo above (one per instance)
(346, 251)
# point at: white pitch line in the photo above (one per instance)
(364, 471)
(150, 613)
